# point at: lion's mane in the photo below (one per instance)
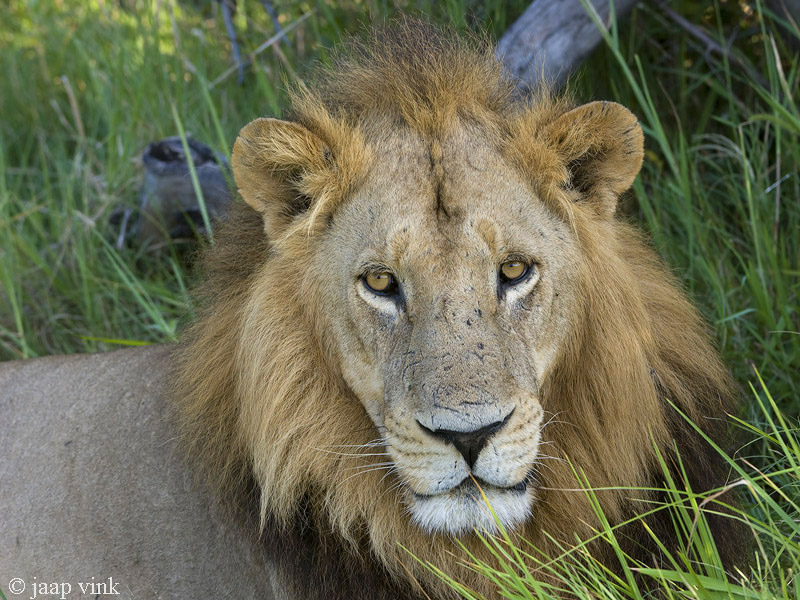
(267, 423)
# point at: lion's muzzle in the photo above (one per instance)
(468, 443)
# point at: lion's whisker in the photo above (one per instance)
(553, 419)
(389, 472)
(550, 457)
(372, 444)
(351, 453)
(383, 464)
(395, 487)
(365, 471)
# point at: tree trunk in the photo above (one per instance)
(552, 38)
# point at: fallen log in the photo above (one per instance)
(553, 38)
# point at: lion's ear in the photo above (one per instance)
(602, 146)
(279, 168)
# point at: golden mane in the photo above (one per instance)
(266, 413)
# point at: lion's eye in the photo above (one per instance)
(513, 271)
(381, 282)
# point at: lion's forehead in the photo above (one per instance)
(460, 173)
(456, 199)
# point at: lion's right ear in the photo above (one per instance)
(280, 168)
(602, 146)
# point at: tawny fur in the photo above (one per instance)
(261, 395)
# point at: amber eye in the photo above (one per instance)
(512, 271)
(381, 282)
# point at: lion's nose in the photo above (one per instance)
(469, 443)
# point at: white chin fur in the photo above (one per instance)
(462, 510)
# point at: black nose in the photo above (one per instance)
(469, 443)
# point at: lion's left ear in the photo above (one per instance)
(602, 146)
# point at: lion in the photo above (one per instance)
(427, 305)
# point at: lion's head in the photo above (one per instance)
(428, 294)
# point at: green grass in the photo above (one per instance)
(87, 85)
(693, 570)
(719, 191)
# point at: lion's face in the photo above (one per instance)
(434, 297)
(449, 287)
(443, 285)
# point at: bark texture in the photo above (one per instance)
(552, 38)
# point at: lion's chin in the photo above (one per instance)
(462, 509)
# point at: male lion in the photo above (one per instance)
(427, 298)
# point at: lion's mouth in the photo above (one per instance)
(463, 508)
(473, 486)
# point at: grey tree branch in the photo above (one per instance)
(552, 38)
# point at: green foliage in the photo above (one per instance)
(719, 189)
(85, 87)
(694, 569)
